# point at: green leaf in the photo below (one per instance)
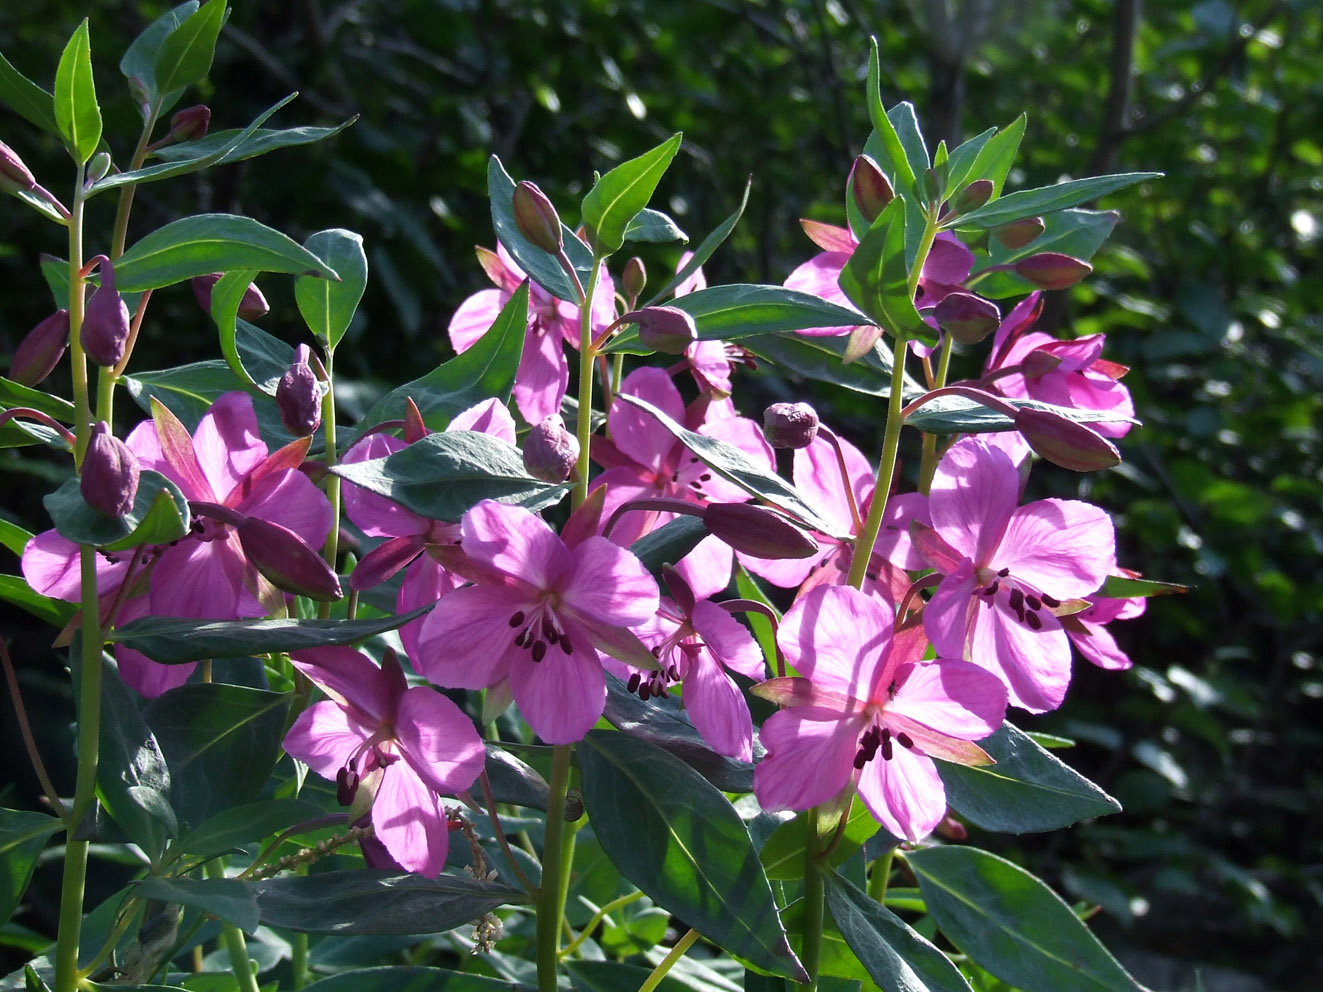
(485, 370)
(22, 838)
(541, 266)
(327, 306)
(513, 781)
(705, 250)
(617, 197)
(159, 515)
(442, 475)
(1012, 924)
(14, 589)
(249, 142)
(668, 543)
(413, 978)
(906, 123)
(132, 779)
(179, 640)
(139, 62)
(15, 394)
(14, 537)
(822, 358)
(205, 243)
(894, 161)
(961, 415)
(227, 898)
(683, 845)
(895, 956)
(736, 467)
(782, 853)
(76, 111)
(960, 166)
(654, 227)
(1027, 790)
(998, 155)
(184, 57)
(374, 901)
(1120, 587)
(245, 824)
(1032, 202)
(876, 279)
(27, 99)
(220, 741)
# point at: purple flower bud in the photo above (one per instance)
(287, 560)
(1019, 233)
(668, 330)
(37, 354)
(1052, 270)
(299, 396)
(758, 531)
(790, 425)
(105, 329)
(251, 307)
(550, 451)
(972, 196)
(536, 218)
(634, 278)
(346, 786)
(1039, 363)
(1064, 442)
(109, 479)
(190, 123)
(14, 175)
(870, 187)
(966, 317)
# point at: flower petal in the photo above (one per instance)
(1066, 548)
(839, 638)
(325, 736)
(408, 819)
(609, 585)
(227, 444)
(974, 492)
(438, 740)
(904, 794)
(475, 317)
(351, 679)
(467, 641)
(717, 708)
(955, 698)
(562, 696)
(511, 541)
(810, 757)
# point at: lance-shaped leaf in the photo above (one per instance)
(1033, 202)
(179, 640)
(1121, 587)
(159, 515)
(16, 394)
(894, 161)
(139, 62)
(415, 978)
(442, 475)
(895, 956)
(617, 197)
(227, 898)
(132, 777)
(245, 824)
(705, 249)
(736, 467)
(678, 839)
(876, 280)
(654, 227)
(373, 901)
(56, 612)
(998, 155)
(185, 55)
(541, 267)
(23, 834)
(961, 415)
(960, 166)
(1027, 790)
(76, 111)
(328, 306)
(822, 358)
(205, 243)
(1012, 924)
(30, 101)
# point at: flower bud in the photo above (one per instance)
(536, 218)
(634, 278)
(190, 123)
(299, 396)
(790, 425)
(1019, 233)
(966, 317)
(286, 560)
(109, 479)
(1038, 363)
(972, 196)
(757, 531)
(1052, 270)
(550, 451)
(37, 354)
(668, 330)
(931, 185)
(98, 167)
(14, 175)
(1064, 442)
(251, 307)
(105, 330)
(870, 187)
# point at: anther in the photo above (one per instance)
(1049, 602)
(1017, 600)
(1034, 602)
(634, 681)
(991, 590)
(517, 618)
(886, 744)
(539, 650)
(1003, 573)
(1032, 620)
(904, 740)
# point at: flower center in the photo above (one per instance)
(1022, 599)
(537, 629)
(879, 738)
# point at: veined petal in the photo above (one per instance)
(742, 433)
(609, 585)
(707, 568)
(810, 757)
(638, 434)
(227, 444)
(563, 695)
(717, 708)
(838, 637)
(376, 515)
(325, 736)
(974, 492)
(511, 541)
(291, 499)
(52, 567)
(351, 679)
(904, 794)
(199, 579)
(408, 819)
(935, 744)
(491, 416)
(542, 376)
(1097, 646)
(793, 690)
(425, 581)
(729, 640)
(954, 698)
(466, 642)
(1034, 664)
(438, 740)
(1066, 548)
(949, 614)
(475, 317)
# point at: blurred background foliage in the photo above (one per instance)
(1210, 290)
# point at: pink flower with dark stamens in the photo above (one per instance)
(1088, 631)
(868, 712)
(537, 614)
(401, 747)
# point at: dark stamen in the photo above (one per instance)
(1034, 602)
(1050, 603)
(1017, 600)
(520, 638)
(517, 618)
(1032, 620)
(904, 739)
(1004, 572)
(991, 590)
(634, 681)
(886, 744)
(539, 650)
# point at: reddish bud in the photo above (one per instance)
(550, 451)
(287, 560)
(790, 425)
(1019, 233)
(1039, 363)
(1064, 442)
(190, 123)
(966, 317)
(251, 307)
(105, 329)
(972, 196)
(951, 829)
(758, 531)
(536, 218)
(668, 330)
(37, 354)
(634, 278)
(870, 187)
(299, 396)
(110, 472)
(14, 175)
(1052, 270)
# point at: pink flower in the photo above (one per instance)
(536, 614)
(1005, 568)
(401, 746)
(868, 712)
(543, 374)
(1088, 631)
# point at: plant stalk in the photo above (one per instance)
(550, 904)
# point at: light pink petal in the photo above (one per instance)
(718, 709)
(488, 417)
(1097, 646)
(198, 579)
(695, 281)
(408, 819)
(1034, 664)
(788, 572)
(707, 568)
(376, 515)
(838, 637)
(624, 484)
(947, 617)
(817, 475)
(710, 365)
(810, 757)
(325, 736)
(511, 541)
(542, 376)
(904, 794)
(955, 698)
(52, 567)
(144, 443)
(729, 640)
(638, 434)
(1010, 327)
(475, 317)
(609, 585)
(563, 695)
(818, 277)
(148, 678)
(425, 581)
(466, 641)
(893, 539)
(742, 433)
(351, 679)
(438, 740)
(291, 499)
(1066, 548)
(227, 443)
(974, 491)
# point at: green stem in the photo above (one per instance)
(598, 917)
(240, 963)
(71, 915)
(119, 234)
(584, 426)
(550, 905)
(672, 956)
(928, 463)
(77, 307)
(811, 948)
(331, 550)
(877, 882)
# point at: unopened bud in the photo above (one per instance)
(110, 472)
(1039, 363)
(536, 218)
(1052, 270)
(951, 829)
(668, 330)
(870, 187)
(966, 317)
(972, 196)
(634, 278)
(299, 396)
(1064, 442)
(757, 531)
(346, 786)
(98, 167)
(931, 185)
(190, 123)
(251, 307)
(550, 451)
(1019, 233)
(287, 560)
(14, 175)
(37, 354)
(790, 425)
(105, 330)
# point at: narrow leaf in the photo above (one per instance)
(654, 227)
(76, 109)
(1119, 587)
(961, 415)
(876, 277)
(705, 250)
(14, 589)
(328, 307)
(227, 898)
(998, 155)
(413, 978)
(245, 824)
(184, 57)
(960, 166)
(822, 358)
(541, 267)
(782, 853)
(896, 162)
(16, 394)
(139, 62)
(617, 197)
(23, 835)
(1031, 202)
(27, 99)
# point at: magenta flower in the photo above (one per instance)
(867, 712)
(1006, 568)
(1088, 631)
(402, 747)
(536, 615)
(543, 373)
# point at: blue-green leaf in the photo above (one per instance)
(328, 306)
(23, 835)
(139, 62)
(76, 111)
(185, 55)
(541, 266)
(876, 280)
(159, 515)
(228, 898)
(654, 227)
(1032, 202)
(28, 100)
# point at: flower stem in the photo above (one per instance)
(672, 956)
(584, 421)
(810, 950)
(877, 882)
(29, 742)
(331, 550)
(550, 904)
(598, 917)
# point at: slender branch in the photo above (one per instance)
(240, 963)
(501, 839)
(549, 907)
(672, 956)
(29, 742)
(597, 918)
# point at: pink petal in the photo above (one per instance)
(818, 277)
(729, 640)
(475, 317)
(408, 819)
(351, 679)
(638, 434)
(609, 585)
(810, 758)
(788, 572)
(52, 567)
(438, 740)
(325, 736)
(291, 499)
(227, 443)
(742, 433)
(893, 539)
(717, 708)
(1097, 646)
(148, 678)
(1066, 548)
(707, 568)
(837, 637)
(1034, 664)
(425, 581)
(948, 261)
(949, 614)
(200, 579)
(829, 237)
(376, 515)
(511, 541)
(904, 794)
(563, 695)
(488, 417)
(974, 491)
(817, 475)
(955, 698)
(542, 376)
(466, 641)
